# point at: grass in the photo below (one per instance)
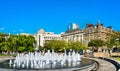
(3, 55)
(7, 54)
(118, 58)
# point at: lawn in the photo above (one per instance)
(7, 54)
(118, 58)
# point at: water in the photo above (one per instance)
(48, 60)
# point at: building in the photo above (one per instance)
(73, 33)
(42, 36)
(97, 31)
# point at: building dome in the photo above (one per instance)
(41, 31)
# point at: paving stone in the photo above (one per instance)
(104, 65)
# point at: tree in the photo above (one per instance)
(21, 43)
(27, 42)
(5, 46)
(14, 43)
(57, 45)
(31, 49)
(113, 40)
(21, 49)
(41, 48)
(77, 46)
(95, 44)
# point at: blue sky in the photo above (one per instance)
(28, 16)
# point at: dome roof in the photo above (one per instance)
(42, 31)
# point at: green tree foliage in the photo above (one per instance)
(113, 40)
(109, 44)
(57, 45)
(61, 45)
(15, 43)
(95, 44)
(3, 43)
(5, 46)
(77, 46)
(41, 48)
(21, 49)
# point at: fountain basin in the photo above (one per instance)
(69, 66)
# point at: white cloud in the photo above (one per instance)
(1, 28)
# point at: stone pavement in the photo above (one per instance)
(104, 65)
(117, 62)
(6, 57)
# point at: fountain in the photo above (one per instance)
(45, 61)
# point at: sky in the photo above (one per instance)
(29, 16)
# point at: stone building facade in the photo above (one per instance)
(97, 31)
(42, 36)
(73, 33)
